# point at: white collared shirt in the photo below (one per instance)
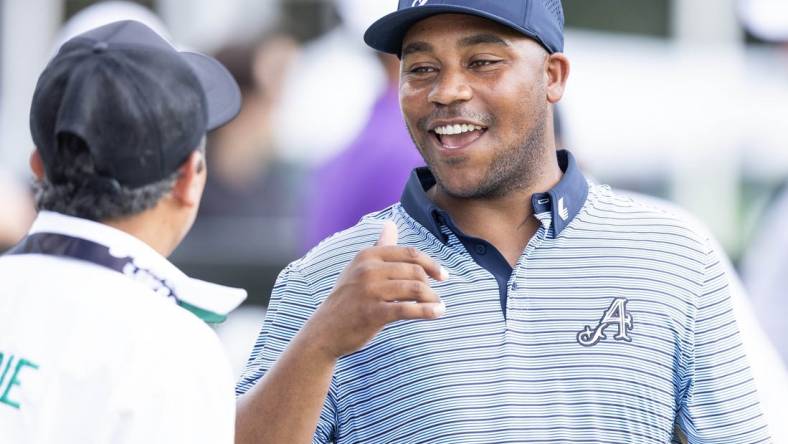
(90, 355)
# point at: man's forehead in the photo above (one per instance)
(458, 30)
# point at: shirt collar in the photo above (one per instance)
(210, 302)
(564, 201)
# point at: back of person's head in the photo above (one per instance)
(73, 186)
(115, 115)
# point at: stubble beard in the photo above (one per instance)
(512, 169)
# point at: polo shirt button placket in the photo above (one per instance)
(512, 301)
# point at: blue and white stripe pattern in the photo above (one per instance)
(668, 353)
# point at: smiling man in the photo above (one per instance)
(522, 303)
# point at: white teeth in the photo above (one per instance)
(456, 129)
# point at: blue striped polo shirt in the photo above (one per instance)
(615, 326)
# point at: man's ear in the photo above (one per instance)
(191, 180)
(557, 71)
(37, 165)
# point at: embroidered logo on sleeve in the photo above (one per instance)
(615, 315)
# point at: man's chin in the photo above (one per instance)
(462, 189)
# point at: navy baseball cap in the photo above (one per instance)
(541, 20)
(140, 105)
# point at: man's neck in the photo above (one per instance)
(154, 231)
(508, 221)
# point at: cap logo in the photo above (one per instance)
(419, 3)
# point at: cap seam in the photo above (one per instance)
(148, 120)
(116, 32)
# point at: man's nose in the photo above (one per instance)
(451, 87)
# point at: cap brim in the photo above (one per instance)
(221, 89)
(386, 34)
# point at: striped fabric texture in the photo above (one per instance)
(617, 330)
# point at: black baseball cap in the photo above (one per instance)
(140, 105)
(541, 20)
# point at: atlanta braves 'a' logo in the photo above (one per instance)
(616, 314)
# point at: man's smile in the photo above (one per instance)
(456, 134)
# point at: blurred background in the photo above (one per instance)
(685, 100)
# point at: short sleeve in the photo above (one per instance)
(720, 402)
(291, 305)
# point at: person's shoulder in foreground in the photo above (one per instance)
(509, 300)
(102, 339)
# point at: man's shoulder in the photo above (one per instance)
(104, 306)
(189, 347)
(57, 270)
(158, 326)
(80, 289)
(344, 245)
(169, 349)
(174, 366)
(80, 319)
(615, 209)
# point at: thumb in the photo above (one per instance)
(388, 235)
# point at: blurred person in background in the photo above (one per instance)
(382, 153)
(249, 223)
(765, 271)
(102, 339)
(18, 210)
(317, 119)
(248, 178)
(253, 194)
(765, 263)
(367, 175)
(252, 204)
(567, 312)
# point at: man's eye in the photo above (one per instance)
(483, 63)
(422, 70)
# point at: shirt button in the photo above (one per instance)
(481, 249)
(514, 286)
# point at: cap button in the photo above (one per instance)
(100, 47)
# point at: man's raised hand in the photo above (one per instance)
(383, 284)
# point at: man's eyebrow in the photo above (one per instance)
(481, 39)
(414, 47)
